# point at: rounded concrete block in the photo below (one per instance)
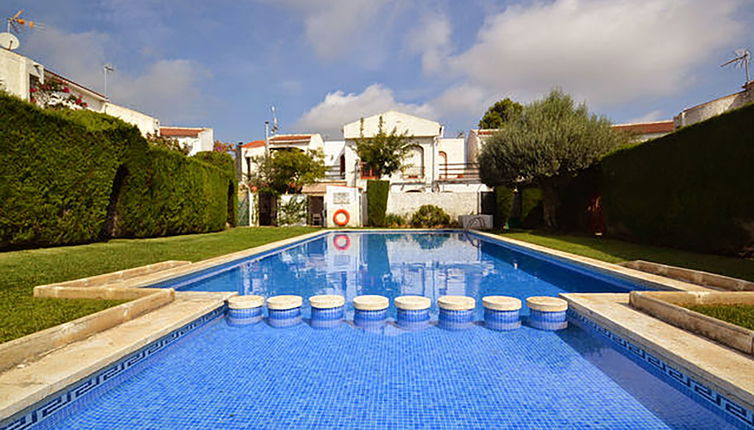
(285, 302)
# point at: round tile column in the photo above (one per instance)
(456, 312)
(284, 311)
(502, 312)
(370, 311)
(245, 310)
(327, 310)
(547, 313)
(413, 312)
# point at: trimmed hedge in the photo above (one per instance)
(56, 176)
(377, 194)
(691, 189)
(60, 168)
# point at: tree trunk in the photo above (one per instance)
(550, 202)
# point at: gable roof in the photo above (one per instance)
(253, 144)
(647, 127)
(404, 123)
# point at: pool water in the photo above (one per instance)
(390, 264)
(258, 377)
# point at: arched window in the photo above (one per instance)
(443, 165)
(414, 162)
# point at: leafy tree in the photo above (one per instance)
(220, 146)
(501, 112)
(384, 152)
(550, 142)
(287, 170)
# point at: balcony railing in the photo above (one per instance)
(458, 172)
(334, 173)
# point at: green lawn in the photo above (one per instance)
(615, 251)
(740, 315)
(21, 271)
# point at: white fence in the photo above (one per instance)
(455, 204)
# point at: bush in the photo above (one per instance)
(77, 176)
(430, 216)
(395, 220)
(57, 175)
(377, 194)
(531, 208)
(503, 205)
(690, 189)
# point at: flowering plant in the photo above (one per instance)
(55, 94)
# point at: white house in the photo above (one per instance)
(197, 139)
(21, 76)
(643, 131)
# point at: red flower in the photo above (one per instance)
(32, 90)
(85, 104)
(66, 90)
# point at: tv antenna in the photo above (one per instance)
(275, 127)
(107, 68)
(17, 24)
(742, 59)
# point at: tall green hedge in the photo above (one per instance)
(56, 176)
(691, 189)
(377, 194)
(59, 168)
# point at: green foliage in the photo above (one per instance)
(531, 207)
(395, 220)
(503, 205)
(170, 143)
(500, 113)
(287, 171)
(384, 152)
(691, 189)
(377, 195)
(293, 211)
(56, 177)
(430, 216)
(59, 171)
(549, 143)
(740, 315)
(166, 193)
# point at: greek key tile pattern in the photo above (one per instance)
(63, 403)
(728, 409)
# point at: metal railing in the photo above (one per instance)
(458, 171)
(334, 173)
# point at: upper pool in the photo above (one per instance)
(430, 264)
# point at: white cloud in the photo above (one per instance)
(339, 108)
(168, 89)
(432, 40)
(608, 52)
(336, 27)
(655, 115)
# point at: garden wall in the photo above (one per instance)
(456, 203)
(72, 177)
(691, 189)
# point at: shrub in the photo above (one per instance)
(690, 189)
(531, 207)
(503, 205)
(430, 216)
(377, 194)
(395, 220)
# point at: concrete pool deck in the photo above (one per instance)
(24, 385)
(728, 371)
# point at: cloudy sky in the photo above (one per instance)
(323, 63)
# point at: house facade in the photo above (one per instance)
(21, 76)
(196, 139)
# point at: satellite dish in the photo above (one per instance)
(9, 41)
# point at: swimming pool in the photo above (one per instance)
(256, 376)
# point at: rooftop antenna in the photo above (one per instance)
(742, 59)
(275, 127)
(107, 68)
(17, 24)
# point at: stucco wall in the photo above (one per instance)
(715, 107)
(456, 203)
(15, 71)
(145, 123)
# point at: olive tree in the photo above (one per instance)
(384, 152)
(549, 143)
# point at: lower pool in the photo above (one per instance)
(224, 376)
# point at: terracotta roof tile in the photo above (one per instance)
(180, 131)
(254, 144)
(647, 127)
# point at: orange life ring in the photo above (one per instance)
(341, 246)
(341, 212)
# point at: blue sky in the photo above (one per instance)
(323, 63)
